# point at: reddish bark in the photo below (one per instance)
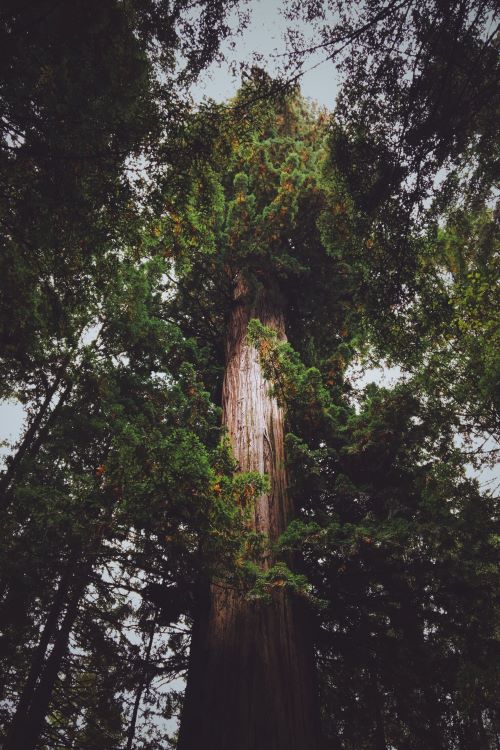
(251, 678)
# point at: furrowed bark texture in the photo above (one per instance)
(251, 679)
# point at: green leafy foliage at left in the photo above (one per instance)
(108, 504)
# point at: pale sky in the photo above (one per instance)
(265, 35)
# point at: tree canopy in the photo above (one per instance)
(127, 216)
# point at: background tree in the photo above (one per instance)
(87, 91)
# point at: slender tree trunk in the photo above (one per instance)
(140, 688)
(37, 661)
(33, 439)
(251, 679)
(27, 735)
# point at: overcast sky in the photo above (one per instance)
(265, 35)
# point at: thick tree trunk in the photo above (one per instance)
(251, 679)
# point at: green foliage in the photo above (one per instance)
(301, 389)
(251, 206)
(122, 497)
(110, 486)
(398, 549)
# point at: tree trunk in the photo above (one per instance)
(251, 678)
(27, 735)
(28, 445)
(26, 699)
(140, 687)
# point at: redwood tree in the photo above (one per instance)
(277, 269)
(251, 680)
(252, 212)
(206, 465)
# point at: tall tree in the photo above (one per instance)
(282, 239)
(251, 678)
(201, 487)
